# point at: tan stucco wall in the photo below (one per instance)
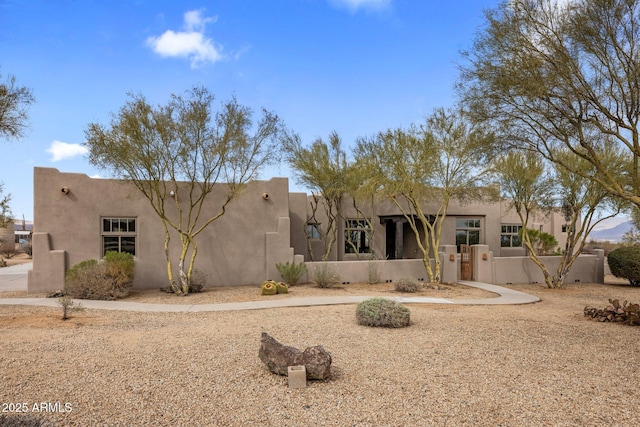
(231, 251)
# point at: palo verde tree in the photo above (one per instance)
(14, 101)
(5, 209)
(425, 168)
(529, 186)
(552, 75)
(584, 204)
(322, 168)
(175, 154)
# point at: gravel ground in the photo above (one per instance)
(539, 364)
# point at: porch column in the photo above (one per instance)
(399, 237)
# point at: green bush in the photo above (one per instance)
(291, 272)
(325, 277)
(68, 305)
(109, 279)
(624, 262)
(121, 268)
(382, 312)
(407, 284)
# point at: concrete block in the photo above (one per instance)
(297, 376)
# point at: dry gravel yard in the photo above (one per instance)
(539, 364)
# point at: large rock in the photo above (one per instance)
(278, 358)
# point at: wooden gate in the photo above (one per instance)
(466, 266)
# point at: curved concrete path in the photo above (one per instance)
(506, 296)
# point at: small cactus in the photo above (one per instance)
(268, 288)
(282, 288)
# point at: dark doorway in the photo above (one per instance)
(390, 228)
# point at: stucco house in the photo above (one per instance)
(81, 218)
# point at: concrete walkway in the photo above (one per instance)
(15, 279)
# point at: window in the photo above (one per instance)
(313, 231)
(467, 231)
(119, 235)
(510, 236)
(357, 236)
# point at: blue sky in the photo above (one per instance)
(353, 66)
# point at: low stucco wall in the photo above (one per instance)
(498, 270)
(392, 270)
(520, 270)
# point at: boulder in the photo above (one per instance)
(278, 358)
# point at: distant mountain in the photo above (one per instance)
(613, 234)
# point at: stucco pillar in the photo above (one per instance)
(448, 263)
(482, 263)
(47, 274)
(599, 265)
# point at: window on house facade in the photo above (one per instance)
(357, 236)
(119, 235)
(510, 236)
(467, 231)
(313, 231)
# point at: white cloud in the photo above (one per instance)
(62, 150)
(354, 5)
(190, 43)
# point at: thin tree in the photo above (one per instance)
(431, 165)
(584, 204)
(322, 168)
(554, 74)
(14, 102)
(175, 154)
(529, 187)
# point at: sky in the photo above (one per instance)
(355, 67)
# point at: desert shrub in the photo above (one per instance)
(624, 262)
(8, 249)
(374, 272)
(82, 265)
(24, 420)
(198, 281)
(27, 248)
(268, 288)
(291, 272)
(407, 284)
(68, 305)
(121, 268)
(382, 312)
(324, 276)
(108, 279)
